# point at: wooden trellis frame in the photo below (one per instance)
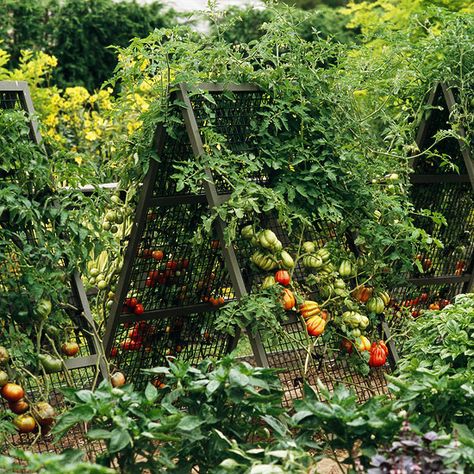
(140, 341)
(449, 271)
(90, 362)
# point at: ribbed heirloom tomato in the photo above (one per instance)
(282, 277)
(288, 299)
(315, 326)
(378, 354)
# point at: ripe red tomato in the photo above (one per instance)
(346, 345)
(118, 379)
(282, 277)
(131, 302)
(444, 303)
(158, 384)
(70, 348)
(12, 392)
(171, 265)
(157, 254)
(139, 309)
(215, 244)
(149, 282)
(427, 264)
(129, 345)
(147, 253)
(424, 297)
(378, 355)
(113, 352)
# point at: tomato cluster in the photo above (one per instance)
(348, 311)
(417, 304)
(30, 417)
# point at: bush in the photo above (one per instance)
(242, 25)
(436, 376)
(78, 33)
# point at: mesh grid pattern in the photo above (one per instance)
(438, 119)
(11, 100)
(456, 203)
(288, 353)
(230, 115)
(48, 388)
(146, 344)
(44, 387)
(233, 116)
(186, 272)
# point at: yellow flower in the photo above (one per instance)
(91, 136)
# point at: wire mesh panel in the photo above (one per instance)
(299, 357)
(173, 278)
(442, 182)
(16, 249)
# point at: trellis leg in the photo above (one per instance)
(214, 200)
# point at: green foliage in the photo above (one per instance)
(69, 462)
(436, 376)
(243, 25)
(427, 453)
(261, 314)
(78, 33)
(199, 418)
(342, 423)
(42, 239)
(328, 148)
(227, 416)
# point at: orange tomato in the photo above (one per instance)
(288, 299)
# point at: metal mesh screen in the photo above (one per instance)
(441, 184)
(14, 288)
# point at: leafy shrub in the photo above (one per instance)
(67, 463)
(242, 25)
(436, 375)
(78, 33)
(201, 415)
(427, 453)
(43, 239)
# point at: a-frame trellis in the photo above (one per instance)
(80, 371)
(172, 290)
(441, 188)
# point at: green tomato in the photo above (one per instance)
(111, 216)
(247, 232)
(345, 269)
(102, 285)
(287, 261)
(50, 364)
(268, 282)
(106, 226)
(3, 378)
(44, 308)
(309, 247)
(94, 272)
